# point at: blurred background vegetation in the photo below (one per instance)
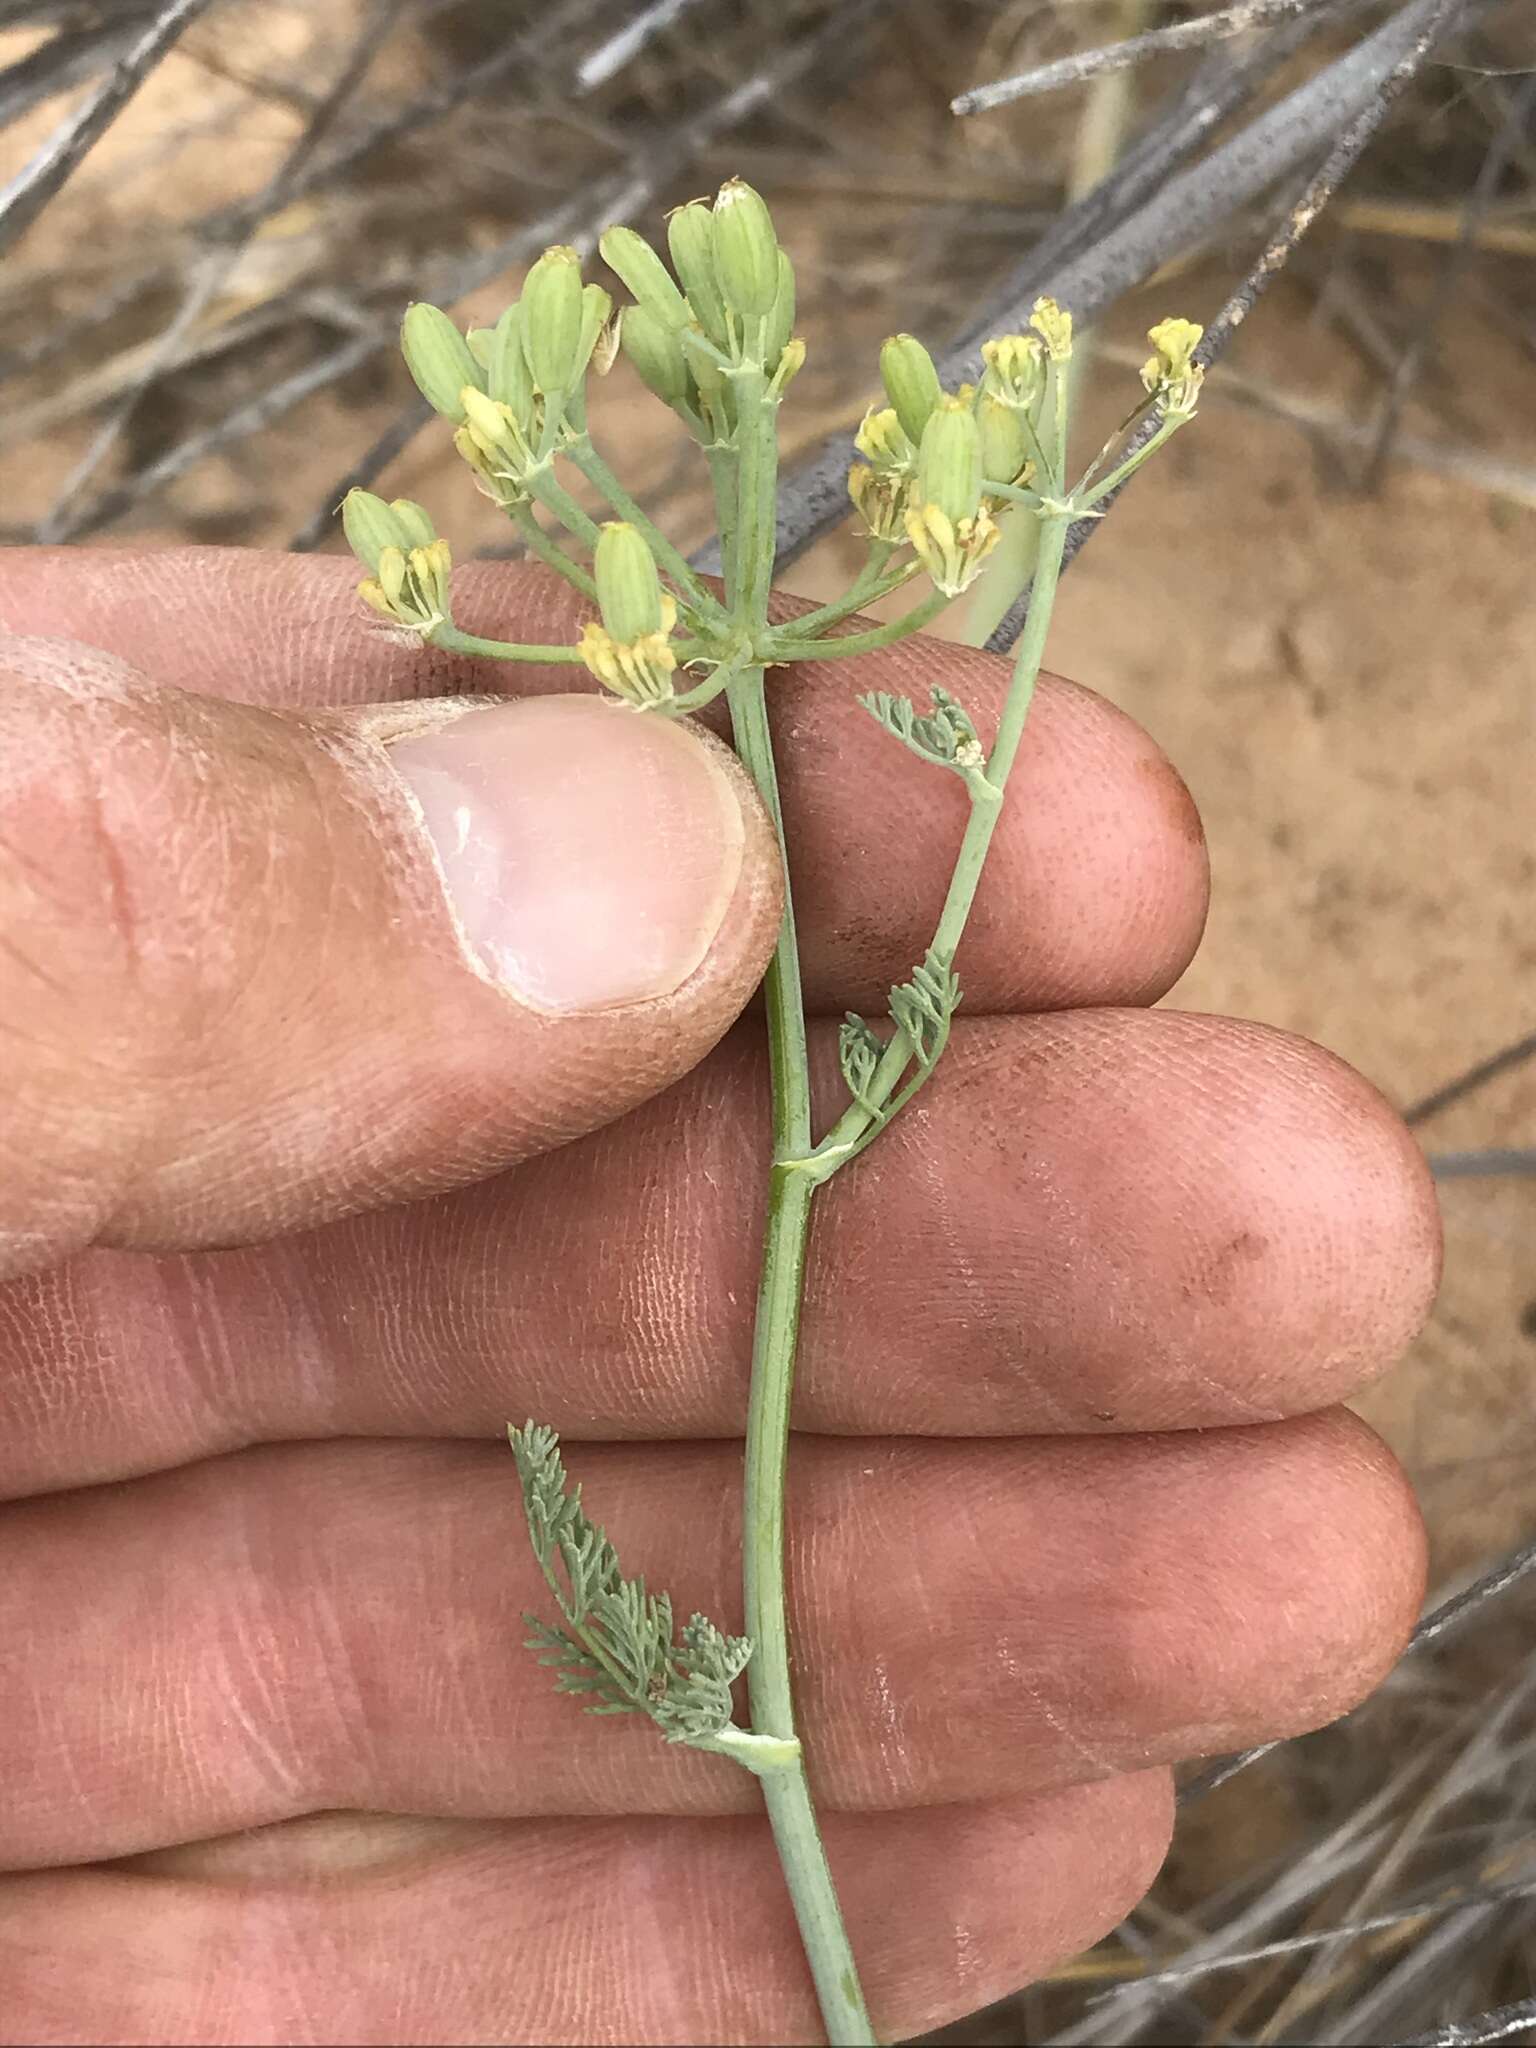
(1327, 619)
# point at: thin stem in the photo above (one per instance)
(540, 544)
(1021, 694)
(776, 1331)
(786, 645)
(864, 589)
(455, 642)
(602, 478)
(709, 689)
(1117, 476)
(722, 471)
(994, 488)
(862, 1120)
(557, 499)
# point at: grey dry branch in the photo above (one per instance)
(24, 198)
(1157, 42)
(1297, 217)
(1504, 2023)
(1178, 214)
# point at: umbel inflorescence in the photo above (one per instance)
(937, 471)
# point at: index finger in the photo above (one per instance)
(1096, 888)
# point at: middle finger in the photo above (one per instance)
(313, 1627)
(1091, 1220)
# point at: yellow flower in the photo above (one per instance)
(951, 550)
(640, 671)
(880, 498)
(1015, 372)
(410, 587)
(1171, 374)
(883, 441)
(1053, 324)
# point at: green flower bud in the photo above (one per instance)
(553, 314)
(707, 373)
(414, 521)
(440, 360)
(1004, 450)
(911, 382)
(656, 350)
(371, 526)
(479, 339)
(781, 321)
(632, 259)
(628, 586)
(949, 461)
(596, 305)
(508, 379)
(690, 237)
(746, 250)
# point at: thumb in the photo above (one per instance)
(260, 969)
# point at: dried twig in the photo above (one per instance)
(322, 521)
(1507, 139)
(1180, 212)
(1157, 42)
(1430, 21)
(1475, 1077)
(1495, 1163)
(24, 198)
(1409, 1915)
(210, 275)
(1503, 2024)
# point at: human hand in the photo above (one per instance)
(1071, 1500)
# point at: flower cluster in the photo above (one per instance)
(732, 301)
(937, 465)
(409, 566)
(510, 389)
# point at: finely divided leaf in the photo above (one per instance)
(616, 1648)
(945, 736)
(923, 1006)
(858, 1051)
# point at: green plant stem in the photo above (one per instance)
(788, 646)
(1010, 730)
(557, 499)
(862, 1120)
(674, 563)
(455, 642)
(540, 544)
(1131, 464)
(722, 472)
(776, 1332)
(870, 584)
